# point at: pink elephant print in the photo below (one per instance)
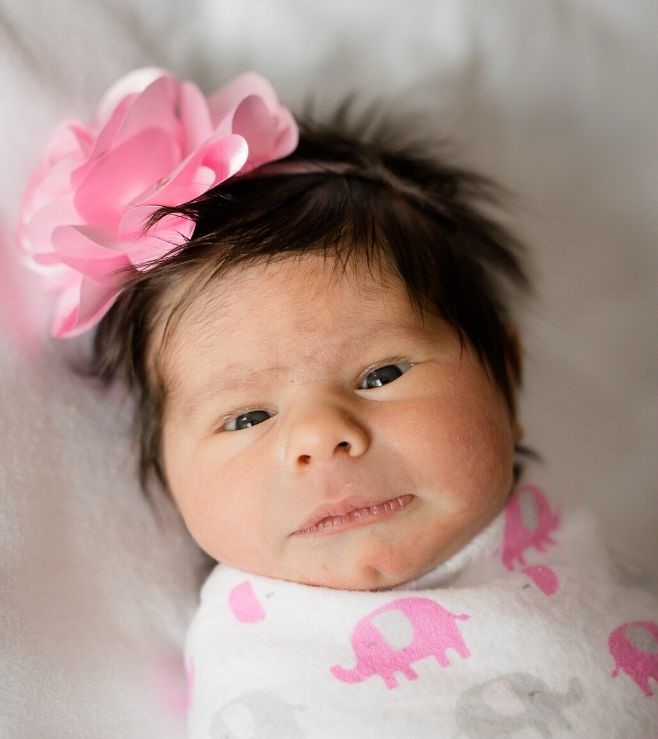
(432, 631)
(529, 521)
(634, 646)
(244, 603)
(543, 577)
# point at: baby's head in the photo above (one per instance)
(326, 373)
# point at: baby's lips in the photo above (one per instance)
(346, 506)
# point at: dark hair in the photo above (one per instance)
(366, 195)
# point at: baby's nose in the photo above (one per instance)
(320, 433)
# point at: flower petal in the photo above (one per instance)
(103, 143)
(36, 233)
(195, 117)
(154, 107)
(46, 185)
(131, 115)
(80, 308)
(226, 156)
(128, 85)
(66, 310)
(85, 249)
(168, 234)
(223, 103)
(126, 171)
(96, 298)
(269, 136)
(214, 161)
(69, 137)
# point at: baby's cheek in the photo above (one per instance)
(465, 446)
(209, 517)
(203, 524)
(235, 527)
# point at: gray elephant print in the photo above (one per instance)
(256, 715)
(511, 702)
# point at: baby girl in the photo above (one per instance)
(316, 327)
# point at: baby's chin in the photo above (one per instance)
(371, 578)
(380, 568)
(368, 577)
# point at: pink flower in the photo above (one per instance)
(154, 141)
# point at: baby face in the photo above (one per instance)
(319, 429)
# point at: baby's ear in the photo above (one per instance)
(514, 352)
(514, 355)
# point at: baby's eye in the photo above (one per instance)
(246, 420)
(383, 375)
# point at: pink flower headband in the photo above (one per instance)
(154, 141)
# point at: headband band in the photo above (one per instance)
(301, 166)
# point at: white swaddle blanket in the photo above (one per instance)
(533, 629)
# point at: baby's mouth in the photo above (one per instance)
(348, 515)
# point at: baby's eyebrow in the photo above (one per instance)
(225, 380)
(231, 378)
(228, 380)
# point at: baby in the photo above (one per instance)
(316, 328)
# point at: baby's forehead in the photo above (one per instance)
(305, 291)
(288, 307)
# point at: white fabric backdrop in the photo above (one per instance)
(557, 100)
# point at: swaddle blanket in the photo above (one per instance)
(532, 630)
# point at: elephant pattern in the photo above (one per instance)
(514, 701)
(634, 647)
(244, 604)
(256, 715)
(433, 631)
(389, 640)
(529, 522)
